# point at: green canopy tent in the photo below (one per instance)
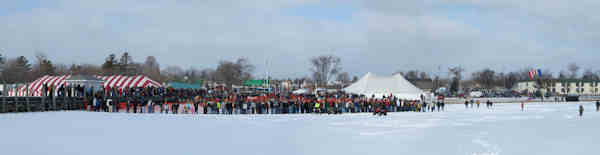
(255, 83)
(180, 85)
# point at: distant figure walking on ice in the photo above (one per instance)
(522, 106)
(597, 106)
(580, 110)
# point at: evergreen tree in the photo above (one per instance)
(126, 64)
(110, 65)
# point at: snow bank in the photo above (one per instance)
(541, 129)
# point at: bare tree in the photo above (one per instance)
(457, 72)
(151, 68)
(2, 68)
(2, 59)
(547, 74)
(424, 76)
(354, 79)
(562, 75)
(85, 69)
(524, 73)
(325, 67)
(173, 73)
(126, 64)
(573, 68)
(436, 83)
(39, 57)
(485, 78)
(588, 74)
(511, 80)
(236, 72)
(62, 69)
(411, 75)
(343, 77)
(194, 75)
(208, 74)
(111, 65)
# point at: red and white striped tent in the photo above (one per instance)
(116, 81)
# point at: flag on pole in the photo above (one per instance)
(533, 73)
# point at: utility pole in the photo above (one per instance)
(267, 75)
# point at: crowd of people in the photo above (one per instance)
(219, 101)
(214, 101)
(471, 103)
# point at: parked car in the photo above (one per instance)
(476, 94)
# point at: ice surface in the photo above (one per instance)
(542, 129)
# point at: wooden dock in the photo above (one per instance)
(39, 104)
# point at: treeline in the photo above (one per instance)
(490, 79)
(325, 69)
(22, 70)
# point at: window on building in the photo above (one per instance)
(582, 90)
(596, 90)
(554, 90)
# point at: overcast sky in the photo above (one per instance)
(379, 36)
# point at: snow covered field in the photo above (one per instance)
(543, 129)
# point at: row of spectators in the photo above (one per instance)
(214, 101)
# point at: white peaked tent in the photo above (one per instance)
(379, 86)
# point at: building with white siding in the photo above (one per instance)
(563, 87)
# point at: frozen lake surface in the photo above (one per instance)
(548, 129)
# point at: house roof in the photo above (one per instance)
(564, 80)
